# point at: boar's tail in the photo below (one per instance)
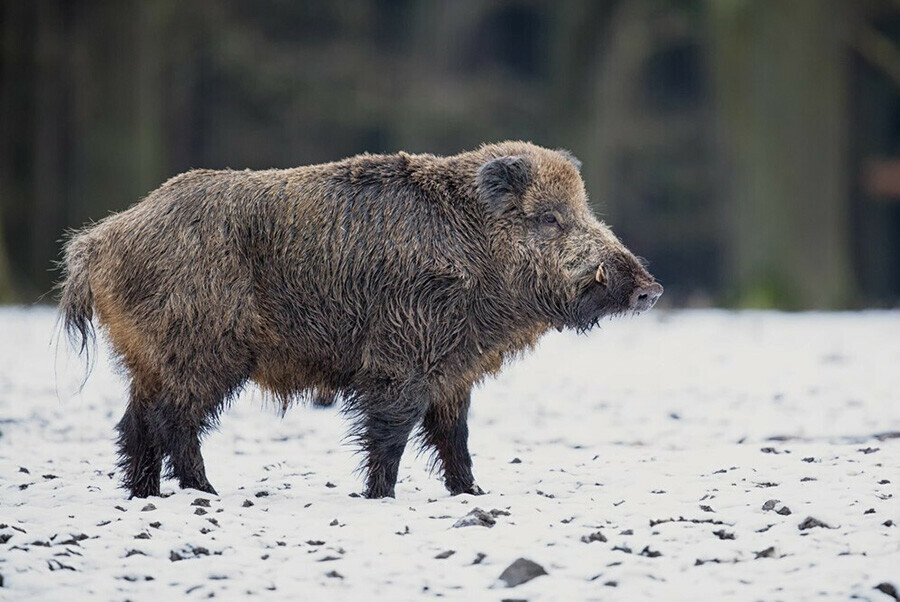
(76, 299)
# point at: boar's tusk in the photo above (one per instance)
(600, 276)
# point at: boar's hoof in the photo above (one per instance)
(374, 493)
(473, 489)
(203, 486)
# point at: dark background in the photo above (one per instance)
(749, 149)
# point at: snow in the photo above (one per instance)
(697, 416)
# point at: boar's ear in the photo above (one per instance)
(568, 156)
(502, 178)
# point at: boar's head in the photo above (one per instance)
(567, 268)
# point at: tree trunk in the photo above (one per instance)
(781, 84)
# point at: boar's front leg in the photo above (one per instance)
(387, 419)
(444, 428)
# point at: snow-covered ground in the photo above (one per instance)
(678, 455)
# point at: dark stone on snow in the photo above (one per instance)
(476, 518)
(521, 571)
(769, 505)
(723, 534)
(888, 589)
(811, 522)
(595, 536)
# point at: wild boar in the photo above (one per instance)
(392, 282)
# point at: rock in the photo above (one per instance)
(888, 589)
(811, 522)
(56, 565)
(515, 461)
(148, 508)
(783, 511)
(479, 557)
(595, 536)
(476, 518)
(192, 552)
(650, 553)
(334, 575)
(201, 501)
(521, 571)
(706, 508)
(445, 554)
(770, 505)
(767, 553)
(73, 540)
(247, 504)
(723, 534)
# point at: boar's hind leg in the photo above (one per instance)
(444, 428)
(182, 422)
(140, 456)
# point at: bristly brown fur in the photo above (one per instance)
(392, 282)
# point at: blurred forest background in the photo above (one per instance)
(749, 149)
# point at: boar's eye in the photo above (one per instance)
(550, 219)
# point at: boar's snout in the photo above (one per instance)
(644, 297)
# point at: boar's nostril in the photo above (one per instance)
(644, 297)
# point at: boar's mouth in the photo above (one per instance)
(595, 302)
(602, 296)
